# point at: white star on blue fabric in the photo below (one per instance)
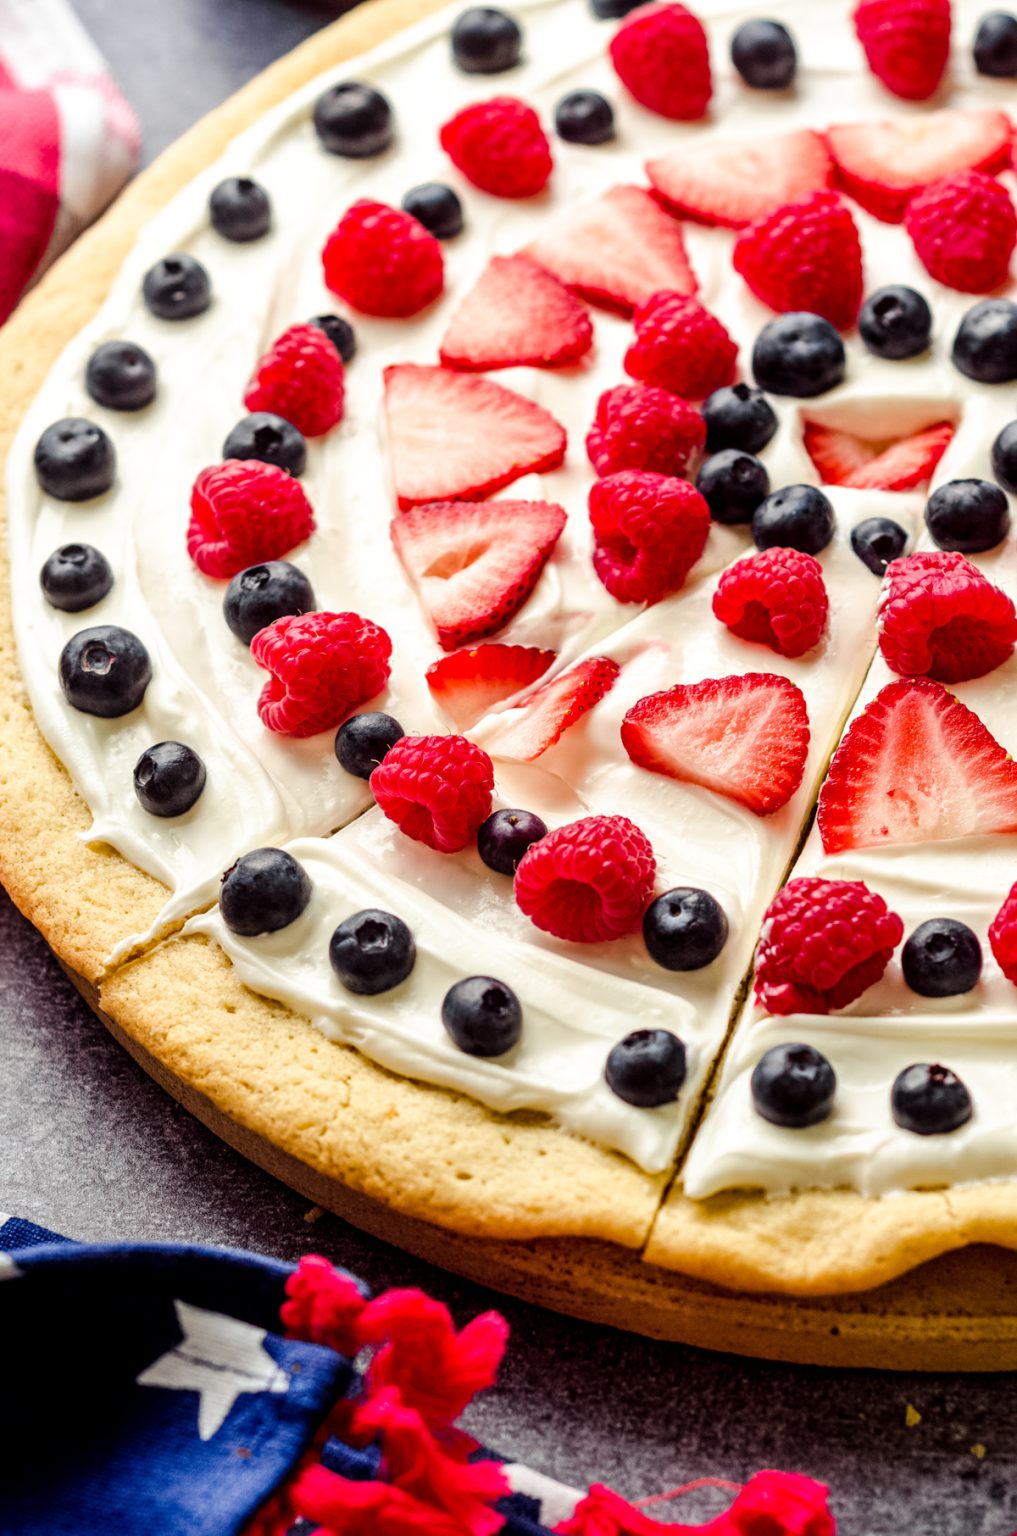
(218, 1357)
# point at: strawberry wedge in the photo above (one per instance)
(882, 165)
(467, 684)
(517, 314)
(735, 182)
(844, 459)
(542, 718)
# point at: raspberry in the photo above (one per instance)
(822, 944)
(805, 256)
(243, 512)
(660, 55)
(638, 427)
(649, 530)
(323, 665)
(1003, 936)
(300, 377)
(964, 230)
(588, 881)
(383, 261)
(500, 146)
(437, 789)
(680, 346)
(776, 598)
(907, 43)
(939, 617)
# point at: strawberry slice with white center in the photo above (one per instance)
(734, 182)
(882, 165)
(455, 437)
(517, 314)
(617, 250)
(468, 683)
(842, 458)
(474, 566)
(916, 766)
(746, 737)
(541, 719)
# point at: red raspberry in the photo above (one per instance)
(243, 512)
(660, 54)
(939, 617)
(822, 944)
(964, 229)
(500, 146)
(300, 377)
(382, 261)
(806, 255)
(776, 598)
(437, 789)
(638, 427)
(588, 881)
(1003, 936)
(907, 43)
(680, 346)
(649, 530)
(323, 665)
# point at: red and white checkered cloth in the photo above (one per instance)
(68, 139)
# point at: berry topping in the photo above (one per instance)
(500, 146)
(482, 1016)
(985, 346)
(243, 512)
(793, 1086)
(995, 47)
(75, 460)
(517, 314)
(906, 43)
(474, 566)
(104, 671)
(363, 741)
(733, 484)
(660, 54)
(323, 665)
(805, 256)
(1003, 936)
(842, 458)
(467, 684)
(745, 737)
(969, 515)
(485, 41)
(75, 577)
(939, 617)
(340, 333)
(738, 417)
(505, 836)
(437, 789)
(797, 516)
(121, 376)
(649, 530)
(169, 778)
(588, 881)
(437, 207)
(895, 322)
(239, 209)
(930, 1100)
(734, 182)
(764, 54)
(353, 120)
(372, 952)
(1004, 457)
(942, 958)
(451, 436)
(798, 354)
(300, 377)
(264, 891)
(964, 229)
(776, 598)
(638, 427)
(647, 1068)
(680, 346)
(260, 594)
(613, 10)
(883, 165)
(177, 288)
(584, 117)
(822, 944)
(383, 261)
(685, 929)
(271, 439)
(877, 541)
(539, 721)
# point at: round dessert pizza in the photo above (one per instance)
(513, 596)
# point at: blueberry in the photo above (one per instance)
(177, 288)
(105, 671)
(584, 117)
(795, 517)
(261, 594)
(929, 1100)
(505, 836)
(240, 210)
(270, 438)
(942, 958)
(793, 1085)
(485, 41)
(340, 333)
(169, 778)
(1004, 457)
(121, 376)
(482, 1015)
(995, 47)
(75, 460)
(75, 577)
(895, 322)
(647, 1068)
(985, 347)
(764, 54)
(436, 207)
(798, 354)
(733, 484)
(362, 741)
(685, 929)
(613, 10)
(738, 416)
(969, 515)
(877, 541)
(353, 120)
(372, 952)
(264, 891)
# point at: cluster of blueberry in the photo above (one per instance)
(794, 1086)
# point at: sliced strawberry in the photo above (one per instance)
(617, 250)
(898, 465)
(552, 709)
(746, 737)
(916, 766)
(475, 566)
(736, 181)
(467, 684)
(454, 437)
(518, 313)
(883, 165)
